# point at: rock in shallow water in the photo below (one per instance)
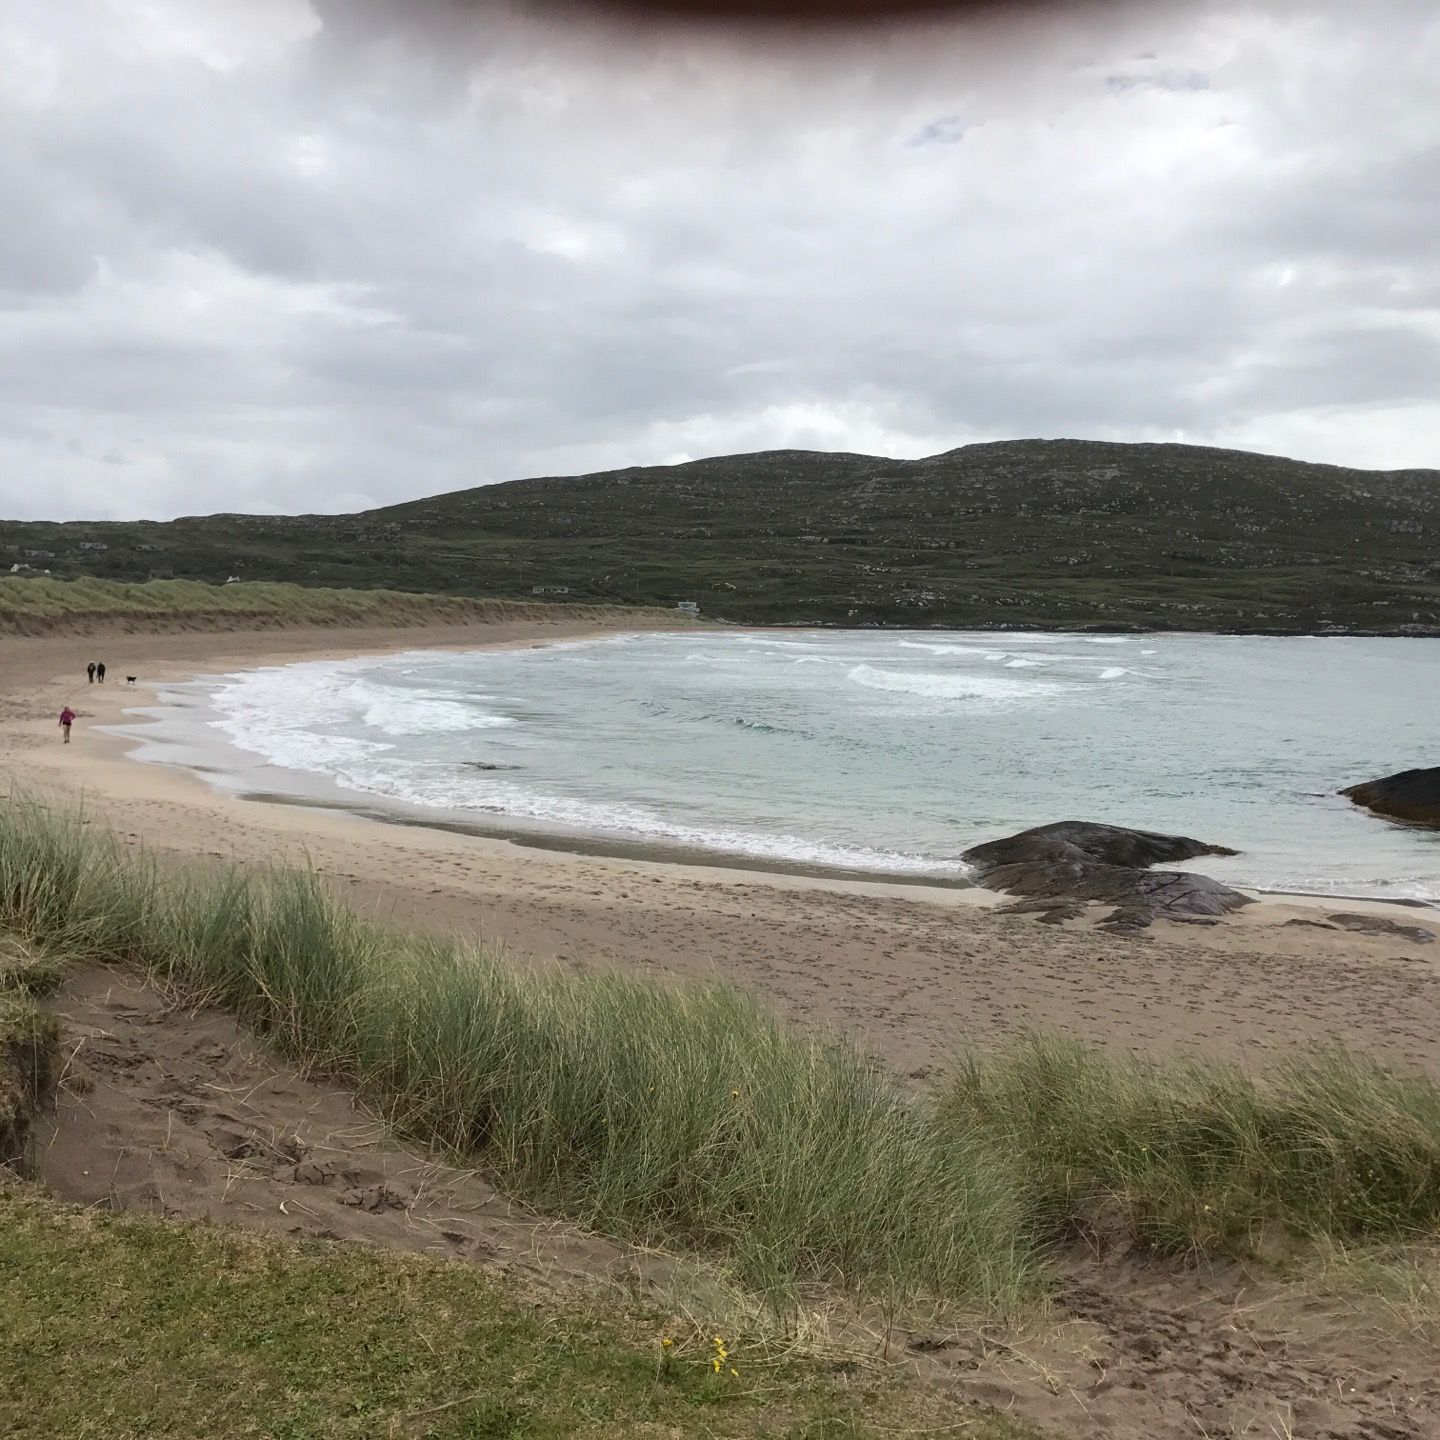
(1079, 860)
(1412, 795)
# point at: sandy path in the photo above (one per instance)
(915, 971)
(181, 1113)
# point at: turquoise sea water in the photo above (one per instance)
(883, 750)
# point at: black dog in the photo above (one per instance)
(131, 679)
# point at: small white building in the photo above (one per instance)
(549, 589)
(689, 607)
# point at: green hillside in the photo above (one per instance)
(1040, 533)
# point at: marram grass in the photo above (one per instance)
(1200, 1154)
(690, 1116)
(677, 1115)
(29, 1048)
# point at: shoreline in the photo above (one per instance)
(127, 740)
(157, 737)
(916, 970)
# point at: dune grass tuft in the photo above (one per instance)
(688, 1115)
(26, 970)
(29, 1048)
(1199, 1154)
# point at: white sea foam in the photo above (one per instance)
(876, 751)
(931, 649)
(932, 686)
(289, 714)
(419, 712)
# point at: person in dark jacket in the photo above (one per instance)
(100, 671)
(90, 671)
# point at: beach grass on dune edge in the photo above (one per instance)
(1193, 1154)
(689, 1116)
(41, 606)
(671, 1115)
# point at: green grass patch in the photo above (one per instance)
(121, 1326)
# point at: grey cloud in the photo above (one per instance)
(947, 130)
(315, 259)
(1178, 80)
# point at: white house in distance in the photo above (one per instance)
(690, 608)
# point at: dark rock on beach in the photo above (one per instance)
(1075, 861)
(1412, 795)
(1359, 924)
(1046, 911)
(1379, 925)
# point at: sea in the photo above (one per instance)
(882, 753)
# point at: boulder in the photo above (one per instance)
(1076, 860)
(1412, 795)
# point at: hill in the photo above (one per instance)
(1057, 534)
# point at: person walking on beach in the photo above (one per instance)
(90, 671)
(100, 671)
(67, 719)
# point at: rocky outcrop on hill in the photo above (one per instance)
(1412, 795)
(1075, 861)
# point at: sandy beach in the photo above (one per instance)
(915, 970)
(178, 1112)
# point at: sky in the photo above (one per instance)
(288, 256)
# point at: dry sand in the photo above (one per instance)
(180, 1113)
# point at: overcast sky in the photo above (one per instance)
(286, 255)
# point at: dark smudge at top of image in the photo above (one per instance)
(762, 14)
